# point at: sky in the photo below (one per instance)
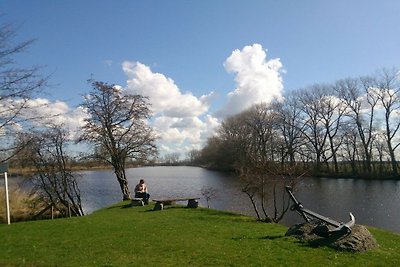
(200, 61)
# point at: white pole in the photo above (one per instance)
(7, 200)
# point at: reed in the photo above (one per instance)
(23, 205)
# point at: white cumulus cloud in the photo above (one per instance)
(181, 120)
(56, 113)
(165, 96)
(258, 79)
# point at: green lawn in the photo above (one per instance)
(176, 236)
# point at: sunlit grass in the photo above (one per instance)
(177, 236)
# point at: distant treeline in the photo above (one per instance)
(345, 129)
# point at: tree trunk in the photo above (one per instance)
(123, 182)
(392, 159)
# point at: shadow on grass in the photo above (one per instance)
(273, 237)
(270, 237)
(165, 208)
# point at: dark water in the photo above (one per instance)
(374, 203)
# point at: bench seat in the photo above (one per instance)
(160, 203)
(137, 202)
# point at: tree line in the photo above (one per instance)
(349, 128)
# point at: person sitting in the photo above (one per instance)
(141, 191)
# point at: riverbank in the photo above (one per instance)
(130, 236)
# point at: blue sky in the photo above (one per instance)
(185, 49)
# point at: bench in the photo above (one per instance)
(137, 202)
(191, 202)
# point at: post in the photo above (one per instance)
(7, 200)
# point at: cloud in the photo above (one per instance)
(57, 113)
(183, 134)
(257, 79)
(180, 119)
(165, 96)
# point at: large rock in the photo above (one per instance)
(359, 239)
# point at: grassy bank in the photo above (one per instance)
(133, 236)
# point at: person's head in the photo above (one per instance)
(141, 181)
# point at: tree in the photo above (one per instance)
(313, 129)
(331, 113)
(291, 126)
(172, 158)
(117, 127)
(194, 156)
(208, 193)
(387, 90)
(54, 179)
(261, 181)
(17, 86)
(261, 121)
(361, 104)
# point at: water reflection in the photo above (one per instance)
(374, 203)
(100, 188)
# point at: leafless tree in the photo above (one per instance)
(314, 130)
(208, 193)
(194, 156)
(261, 120)
(388, 90)
(54, 179)
(117, 128)
(331, 113)
(361, 103)
(291, 126)
(256, 136)
(349, 149)
(172, 158)
(17, 86)
(265, 187)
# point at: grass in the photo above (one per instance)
(177, 236)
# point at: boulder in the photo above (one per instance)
(358, 240)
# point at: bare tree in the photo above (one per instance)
(291, 126)
(118, 129)
(265, 188)
(261, 120)
(350, 146)
(208, 193)
(17, 86)
(172, 158)
(387, 90)
(361, 103)
(255, 134)
(194, 156)
(331, 114)
(54, 179)
(314, 130)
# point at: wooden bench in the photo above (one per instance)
(137, 202)
(191, 202)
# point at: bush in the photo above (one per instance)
(23, 206)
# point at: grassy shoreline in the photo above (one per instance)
(121, 235)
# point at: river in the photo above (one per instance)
(373, 202)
